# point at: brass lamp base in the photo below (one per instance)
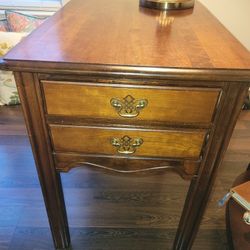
(167, 4)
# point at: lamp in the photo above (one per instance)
(167, 4)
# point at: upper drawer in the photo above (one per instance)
(145, 103)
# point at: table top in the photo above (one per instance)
(120, 32)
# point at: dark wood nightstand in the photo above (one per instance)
(114, 88)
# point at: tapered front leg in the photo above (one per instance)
(30, 95)
(227, 113)
(55, 206)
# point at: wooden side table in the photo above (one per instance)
(129, 90)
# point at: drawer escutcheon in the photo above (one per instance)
(128, 107)
(126, 145)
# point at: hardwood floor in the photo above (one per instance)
(106, 212)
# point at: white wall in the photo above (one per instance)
(233, 14)
(64, 1)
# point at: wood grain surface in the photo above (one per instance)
(175, 144)
(119, 32)
(163, 104)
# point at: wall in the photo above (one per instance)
(233, 14)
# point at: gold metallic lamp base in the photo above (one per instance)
(167, 4)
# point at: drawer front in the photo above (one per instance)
(177, 105)
(110, 141)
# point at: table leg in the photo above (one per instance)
(201, 185)
(29, 92)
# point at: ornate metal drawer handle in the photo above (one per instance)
(126, 145)
(128, 107)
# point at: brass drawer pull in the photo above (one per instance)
(128, 107)
(126, 145)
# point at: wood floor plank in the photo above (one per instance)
(31, 239)
(6, 234)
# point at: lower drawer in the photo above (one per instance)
(115, 141)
